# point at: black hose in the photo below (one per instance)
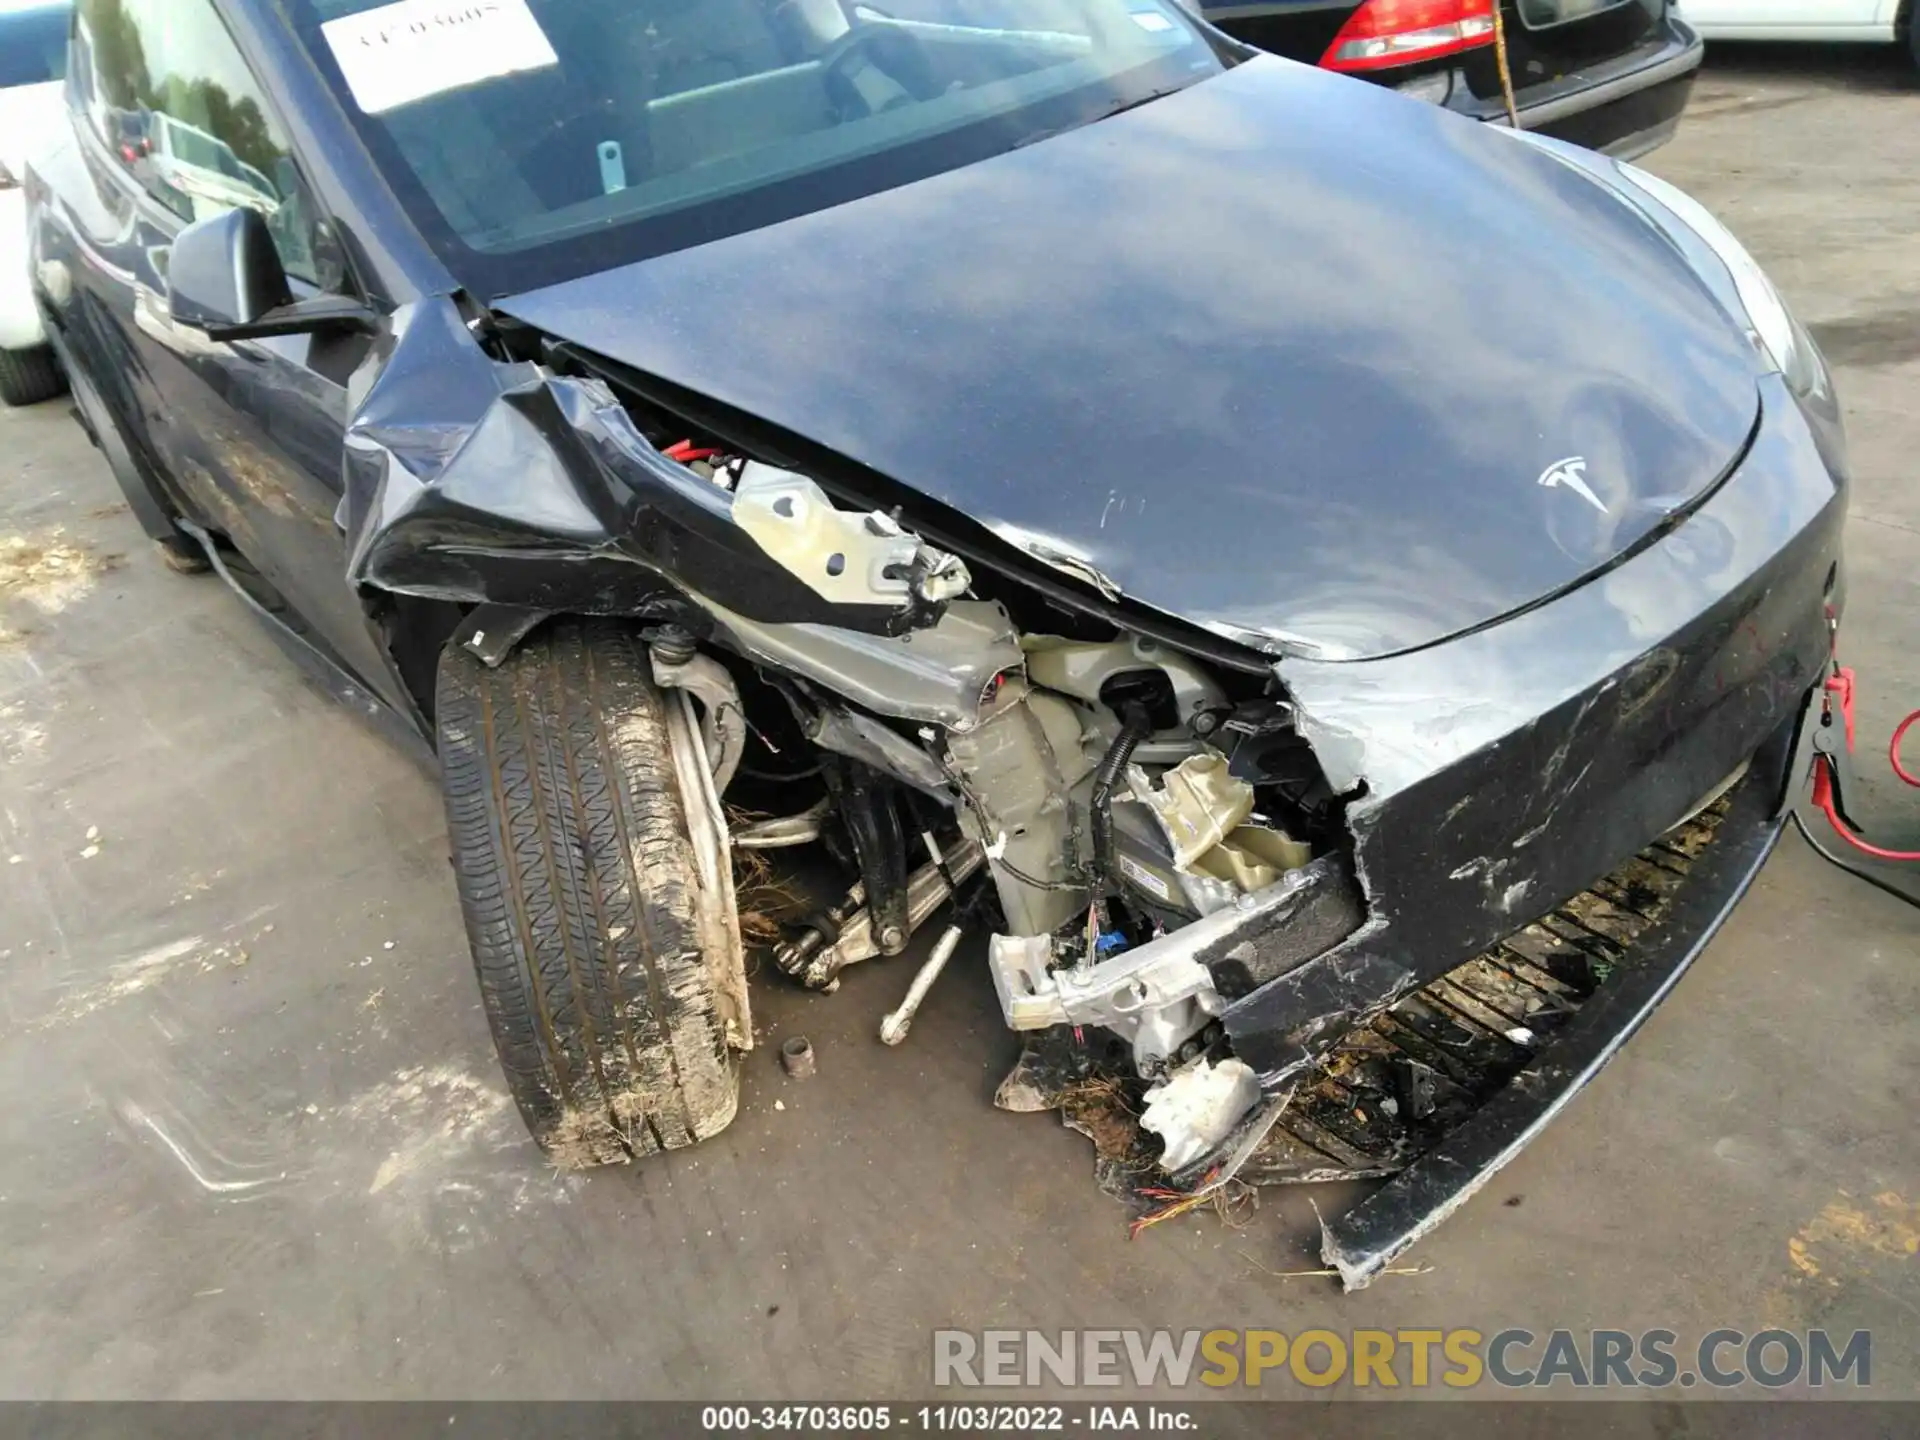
(1134, 727)
(779, 776)
(1857, 869)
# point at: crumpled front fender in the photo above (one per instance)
(474, 480)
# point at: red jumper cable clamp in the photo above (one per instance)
(1833, 757)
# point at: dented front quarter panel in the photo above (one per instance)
(1499, 773)
(469, 479)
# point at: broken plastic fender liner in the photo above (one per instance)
(471, 480)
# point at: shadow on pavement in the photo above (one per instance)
(1889, 68)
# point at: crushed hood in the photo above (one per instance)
(1284, 355)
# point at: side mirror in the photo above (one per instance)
(225, 279)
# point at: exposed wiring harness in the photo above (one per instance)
(1134, 727)
(686, 452)
(723, 467)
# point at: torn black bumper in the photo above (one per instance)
(1710, 864)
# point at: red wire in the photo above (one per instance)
(1893, 750)
(1823, 800)
(686, 452)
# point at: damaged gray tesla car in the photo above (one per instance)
(1322, 598)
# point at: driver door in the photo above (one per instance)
(249, 433)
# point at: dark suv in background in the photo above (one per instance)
(1612, 75)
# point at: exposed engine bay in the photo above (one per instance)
(1084, 800)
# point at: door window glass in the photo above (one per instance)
(171, 96)
(1545, 14)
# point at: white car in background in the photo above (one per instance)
(33, 60)
(1873, 21)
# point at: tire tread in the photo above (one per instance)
(29, 376)
(577, 884)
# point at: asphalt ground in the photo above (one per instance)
(256, 1146)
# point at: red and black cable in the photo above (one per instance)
(686, 452)
(1839, 694)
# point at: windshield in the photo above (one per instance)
(33, 44)
(534, 140)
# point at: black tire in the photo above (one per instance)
(29, 376)
(579, 888)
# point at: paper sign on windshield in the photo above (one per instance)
(401, 53)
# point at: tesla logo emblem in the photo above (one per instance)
(1572, 473)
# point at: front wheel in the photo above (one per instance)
(581, 893)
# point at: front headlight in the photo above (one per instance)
(1769, 321)
(1733, 275)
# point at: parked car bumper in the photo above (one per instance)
(1625, 106)
(20, 327)
(1689, 685)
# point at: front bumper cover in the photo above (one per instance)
(1718, 854)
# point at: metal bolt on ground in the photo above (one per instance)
(796, 1054)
